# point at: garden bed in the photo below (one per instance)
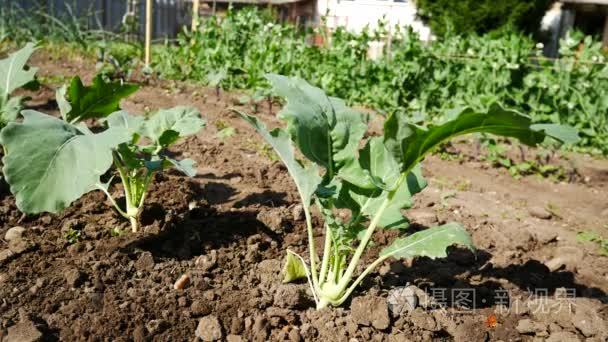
(74, 277)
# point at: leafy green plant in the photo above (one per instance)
(52, 162)
(14, 74)
(372, 183)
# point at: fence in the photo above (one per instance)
(169, 16)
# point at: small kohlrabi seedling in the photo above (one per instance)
(374, 182)
(14, 74)
(52, 162)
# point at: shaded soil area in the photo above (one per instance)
(220, 238)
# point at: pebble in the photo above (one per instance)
(206, 262)
(209, 329)
(540, 212)
(182, 282)
(14, 233)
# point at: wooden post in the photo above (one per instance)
(605, 35)
(195, 6)
(148, 42)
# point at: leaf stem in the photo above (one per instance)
(311, 246)
(364, 241)
(326, 255)
(105, 191)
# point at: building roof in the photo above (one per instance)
(258, 2)
(590, 2)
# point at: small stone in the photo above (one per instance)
(156, 326)
(206, 262)
(289, 296)
(25, 331)
(540, 212)
(297, 211)
(402, 300)
(528, 326)
(209, 329)
(145, 262)
(182, 282)
(370, 310)
(14, 233)
(74, 277)
(200, 308)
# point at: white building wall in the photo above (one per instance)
(356, 14)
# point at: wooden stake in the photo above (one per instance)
(195, 6)
(148, 42)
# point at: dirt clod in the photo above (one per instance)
(528, 326)
(145, 262)
(20, 246)
(562, 336)
(370, 310)
(200, 308)
(540, 212)
(209, 329)
(157, 326)
(289, 296)
(275, 219)
(424, 320)
(25, 331)
(74, 277)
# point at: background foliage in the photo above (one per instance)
(481, 16)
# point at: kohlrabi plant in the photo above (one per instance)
(14, 74)
(52, 162)
(371, 178)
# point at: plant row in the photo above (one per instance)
(50, 162)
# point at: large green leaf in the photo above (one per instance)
(409, 143)
(307, 178)
(96, 101)
(10, 110)
(431, 242)
(367, 202)
(325, 130)
(13, 74)
(52, 163)
(167, 125)
(121, 119)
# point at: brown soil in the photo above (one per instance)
(104, 287)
